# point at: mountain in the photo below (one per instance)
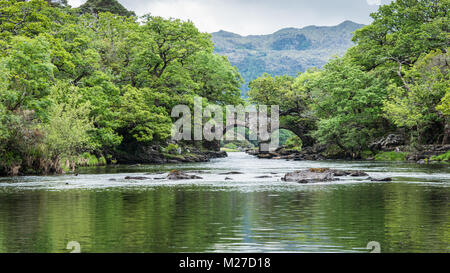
(113, 6)
(287, 51)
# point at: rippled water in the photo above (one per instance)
(246, 214)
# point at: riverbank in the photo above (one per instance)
(140, 155)
(425, 154)
(154, 155)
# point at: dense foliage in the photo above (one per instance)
(395, 80)
(98, 6)
(74, 82)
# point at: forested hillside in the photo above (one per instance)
(78, 87)
(395, 80)
(288, 51)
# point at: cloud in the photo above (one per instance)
(247, 17)
(374, 2)
(76, 3)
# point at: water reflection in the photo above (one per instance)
(42, 214)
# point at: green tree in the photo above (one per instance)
(417, 104)
(348, 103)
(141, 118)
(29, 72)
(292, 96)
(74, 82)
(68, 131)
(162, 46)
(216, 79)
(28, 18)
(401, 32)
(99, 6)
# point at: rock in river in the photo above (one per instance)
(387, 179)
(358, 173)
(137, 178)
(309, 176)
(179, 175)
(320, 175)
(230, 173)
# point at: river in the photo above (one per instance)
(103, 212)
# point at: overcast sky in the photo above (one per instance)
(247, 17)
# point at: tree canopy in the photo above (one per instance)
(99, 6)
(394, 80)
(72, 83)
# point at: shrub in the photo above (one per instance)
(391, 156)
(231, 146)
(102, 161)
(88, 160)
(334, 151)
(294, 143)
(442, 157)
(172, 149)
(366, 154)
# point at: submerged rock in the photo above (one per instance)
(137, 178)
(357, 173)
(265, 156)
(309, 176)
(180, 175)
(340, 173)
(228, 178)
(264, 176)
(231, 173)
(387, 179)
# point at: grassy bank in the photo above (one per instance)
(391, 156)
(84, 160)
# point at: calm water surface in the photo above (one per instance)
(246, 214)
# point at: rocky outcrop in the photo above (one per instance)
(320, 175)
(422, 154)
(388, 142)
(153, 155)
(426, 152)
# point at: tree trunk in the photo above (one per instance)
(445, 139)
